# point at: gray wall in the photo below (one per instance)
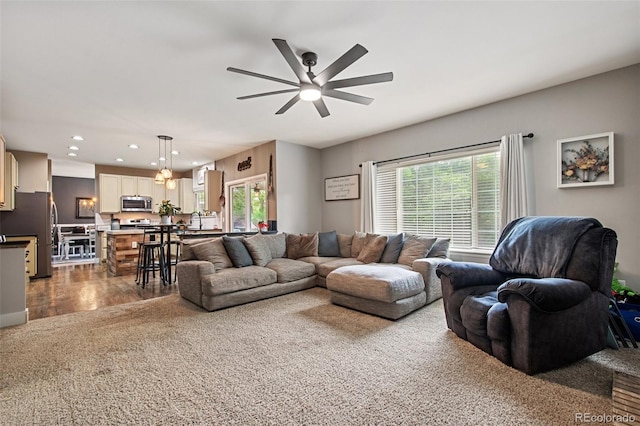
(606, 102)
(300, 188)
(65, 190)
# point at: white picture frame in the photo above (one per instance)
(342, 188)
(586, 161)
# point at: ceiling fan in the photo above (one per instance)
(313, 87)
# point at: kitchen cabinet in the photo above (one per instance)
(212, 190)
(159, 194)
(187, 197)
(31, 255)
(174, 194)
(10, 181)
(138, 186)
(110, 192)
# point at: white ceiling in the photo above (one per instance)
(123, 72)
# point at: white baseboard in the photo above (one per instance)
(14, 318)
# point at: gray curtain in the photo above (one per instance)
(513, 184)
(368, 196)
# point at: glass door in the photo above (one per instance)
(248, 204)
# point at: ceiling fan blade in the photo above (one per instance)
(347, 96)
(359, 81)
(352, 55)
(277, 92)
(321, 107)
(266, 77)
(292, 60)
(289, 104)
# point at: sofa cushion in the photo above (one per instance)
(440, 248)
(258, 249)
(277, 244)
(231, 280)
(326, 268)
(237, 252)
(289, 270)
(414, 247)
(317, 260)
(372, 252)
(302, 245)
(213, 250)
(376, 282)
(328, 244)
(186, 251)
(359, 241)
(393, 248)
(345, 241)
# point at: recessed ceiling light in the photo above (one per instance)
(175, 153)
(72, 154)
(74, 148)
(119, 160)
(194, 163)
(153, 163)
(162, 159)
(133, 146)
(77, 138)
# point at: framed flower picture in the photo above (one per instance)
(585, 161)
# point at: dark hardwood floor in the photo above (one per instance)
(85, 287)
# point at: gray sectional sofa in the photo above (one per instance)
(388, 276)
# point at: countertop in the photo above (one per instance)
(124, 231)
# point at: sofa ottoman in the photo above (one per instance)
(384, 290)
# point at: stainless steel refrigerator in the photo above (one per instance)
(32, 216)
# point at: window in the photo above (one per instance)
(248, 204)
(455, 197)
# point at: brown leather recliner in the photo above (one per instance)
(542, 302)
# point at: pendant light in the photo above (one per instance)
(166, 173)
(171, 183)
(159, 179)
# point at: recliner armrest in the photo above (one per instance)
(546, 294)
(469, 274)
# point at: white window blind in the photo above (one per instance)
(453, 197)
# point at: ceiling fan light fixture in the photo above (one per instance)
(309, 92)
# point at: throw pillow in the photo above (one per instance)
(328, 244)
(358, 243)
(414, 247)
(186, 251)
(302, 245)
(237, 252)
(277, 244)
(213, 251)
(258, 249)
(392, 249)
(345, 241)
(440, 248)
(373, 250)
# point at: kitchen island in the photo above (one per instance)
(122, 251)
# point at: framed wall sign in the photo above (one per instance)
(585, 161)
(342, 188)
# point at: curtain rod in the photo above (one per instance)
(529, 135)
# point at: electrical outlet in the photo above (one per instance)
(134, 244)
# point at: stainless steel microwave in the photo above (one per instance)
(130, 203)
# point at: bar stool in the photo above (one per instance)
(174, 257)
(150, 249)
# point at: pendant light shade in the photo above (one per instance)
(164, 174)
(159, 179)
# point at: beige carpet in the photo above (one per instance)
(295, 359)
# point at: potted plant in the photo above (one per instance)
(166, 210)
